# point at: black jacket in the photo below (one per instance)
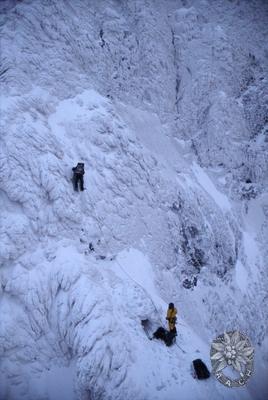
(79, 169)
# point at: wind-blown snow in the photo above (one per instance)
(208, 185)
(166, 104)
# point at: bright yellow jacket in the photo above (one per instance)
(171, 317)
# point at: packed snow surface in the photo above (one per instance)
(166, 104)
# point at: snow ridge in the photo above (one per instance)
(166, 106)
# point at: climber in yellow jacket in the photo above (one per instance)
(171, 318)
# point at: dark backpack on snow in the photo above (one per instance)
(166, 336)
(200, 369)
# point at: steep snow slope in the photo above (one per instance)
(167, 108)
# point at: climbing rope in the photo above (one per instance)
(119, 264)
(125, 272)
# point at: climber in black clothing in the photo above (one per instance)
(78, 176)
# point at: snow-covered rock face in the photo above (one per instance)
(222, 100)
(166, 104)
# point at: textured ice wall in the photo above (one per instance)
(67, 74)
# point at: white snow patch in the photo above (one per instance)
(255, 215)
(55, 382)
(138, 268)
(210, 188)
(241, 276)
(251, 251)
(148, 129)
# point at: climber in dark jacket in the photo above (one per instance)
(78, 176)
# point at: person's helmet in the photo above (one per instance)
(171, 305)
